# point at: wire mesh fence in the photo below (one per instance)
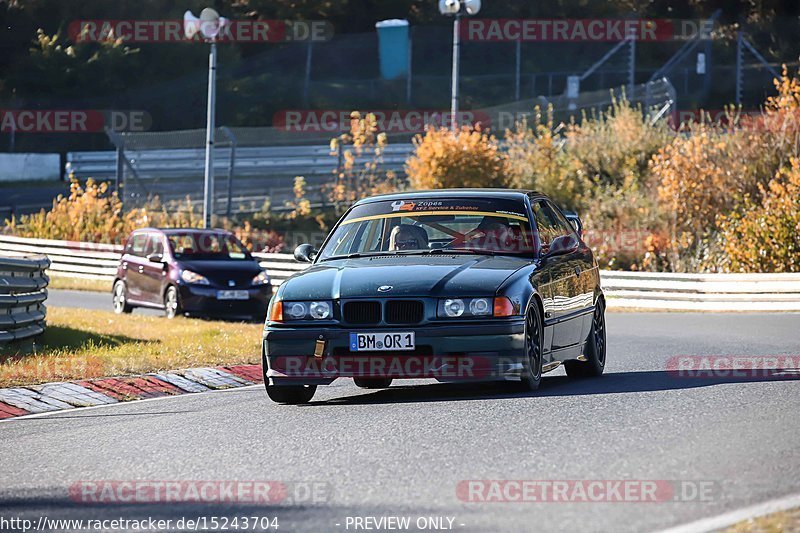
(258, 166)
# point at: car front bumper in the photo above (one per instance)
(446, 352)
(202, 300)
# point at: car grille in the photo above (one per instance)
(362, 312)
(404, 312)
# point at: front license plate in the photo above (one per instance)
(233, 295)
(381, 342)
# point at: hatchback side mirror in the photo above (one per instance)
(155, 258)
(305, 253)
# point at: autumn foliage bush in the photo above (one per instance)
(708, 197)
(444, 159)
(93, 213)
(354, 181)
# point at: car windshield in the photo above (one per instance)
(417, 226)
(198, 246)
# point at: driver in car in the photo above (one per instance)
(408, 237)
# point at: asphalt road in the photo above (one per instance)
(89, 300)
(403, 451)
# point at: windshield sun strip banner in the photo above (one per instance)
(412, 214)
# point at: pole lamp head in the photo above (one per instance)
(449, 7)
(472, 6)
(208, 25)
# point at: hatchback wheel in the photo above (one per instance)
(172, 305)
(532, 372)
(120, 298)
(373, 383)
(595, 350)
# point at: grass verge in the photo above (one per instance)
(78, 284)
(773, 523)
(83, 344)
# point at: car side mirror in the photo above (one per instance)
(155, 258)
(305, 253)
(575, 220)
(563, 244)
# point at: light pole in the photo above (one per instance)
(453, 8)
(209, 25)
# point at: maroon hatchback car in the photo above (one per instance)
(191, 272)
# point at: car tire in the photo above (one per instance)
(595, 348)
(373, 383)
(291, 394)
(172, 303)
(119, 295)
(532, 368)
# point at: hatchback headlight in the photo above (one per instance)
(262, 278)
(193, 277)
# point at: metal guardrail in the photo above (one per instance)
(99, 261)
(263, 161)
(702, 292)
(23, 291)
(645, 290)
(243, 182)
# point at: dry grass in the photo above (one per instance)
(775, 523)
(78, 284)
(81, 344)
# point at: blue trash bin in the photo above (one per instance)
(393, 48)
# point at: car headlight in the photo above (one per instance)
(320, 310)
(291, 311)
(480, 306)
(474, 307)
(453, 307)
(193, 277)
(262, 278)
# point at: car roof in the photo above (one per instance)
(507, 194)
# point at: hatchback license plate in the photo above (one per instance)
(381, 342)
(233, 295)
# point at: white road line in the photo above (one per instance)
(132, 402)
(728, 519)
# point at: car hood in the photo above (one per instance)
(467, 275)
(221, 271)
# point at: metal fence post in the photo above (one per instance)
(307, 79)
(231, 167)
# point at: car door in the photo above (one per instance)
(153, 273)
(560, 297)
(133, 264)
(586, 275)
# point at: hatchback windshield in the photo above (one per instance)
(480, 226)
(197, 246)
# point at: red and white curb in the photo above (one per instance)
(34, 399)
